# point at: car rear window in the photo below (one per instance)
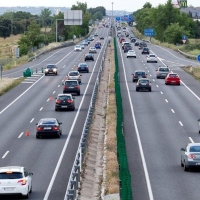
(153, 56)
(83, 65)
(164, 69)
(144, 82)
(50, 121)
(173, 75)
(64, 97)
(11, 175)
(73, 74)
(195, 149)
(70, 83)
(140, 73)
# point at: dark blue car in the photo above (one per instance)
(97, 46)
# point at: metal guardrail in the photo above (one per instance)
(75, 176)
(187, 55)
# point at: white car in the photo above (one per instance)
(15, 180)
(92, 50)
(82, 46)
(152, 58)
(73, 75)
(77, 48)
(131, 53)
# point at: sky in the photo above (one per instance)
(127, 5)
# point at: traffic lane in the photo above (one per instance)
(162, 137)
(138, 181)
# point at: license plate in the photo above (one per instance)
(71, 87)
(163, 74)
(47, 128)
(82, 67)
(9, 188)
(173, 81)
(64, 106)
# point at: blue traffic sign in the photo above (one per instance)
(122, 18)
(149, 32)
(184, 37)
(117, 18)
(198, 57)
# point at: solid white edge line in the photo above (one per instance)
(5, 154)
(20, 134)
(191, 139)
(138, 135)
(69, 135)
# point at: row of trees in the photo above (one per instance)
(30, 26)
(169, 23)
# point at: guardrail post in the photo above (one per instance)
(36, 70)
(42, 69)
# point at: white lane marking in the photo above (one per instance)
(157, 86)
(58, 85)
(146, 67)
(28, 82)
(161, 92)
(191, 139)
(172, 110)
(47, 99)
(138, 135)
(70, 133)
(166, 100)
(20, 134)
(41, 108)
(54, 92)
(180, 123)
(150, 74)
(63, 66)
(148, 70)
(32, 120)
(153, 79)
(5, 154)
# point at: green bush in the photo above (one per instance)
(23, 49)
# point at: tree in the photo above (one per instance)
(147, 5)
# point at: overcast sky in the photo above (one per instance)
(128, 5)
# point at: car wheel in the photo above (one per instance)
(88, 71)
(78, 93)
(157, 77)
(156, 61)
(185, 167)
(56, 109)
(58, 135)
(149, 90)
(182, 165)
(147, 61)
(26, 196)
(85, 59)
(137, 89)
(45, 74)
(179, 84)
(135, 56)
(37, 136)
(73, 109)
(166, 83)
(133, 81)
(127, 56)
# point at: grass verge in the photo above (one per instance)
(194, 71)
(112, 176)
(7, 84)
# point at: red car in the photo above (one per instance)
(172, 78)
(121, 40)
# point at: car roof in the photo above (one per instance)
(82, 64)
(193, 144)
(64, 95)
(73, 71)
(144, 79)
(11, 168)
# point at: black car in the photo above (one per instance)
(48, 127)
(83, 67)
(89, 57)
(136, 43)
(143, 84)
(139, 74)
(133, 40)
(142, 45)
(51, 69)
(71, 86)
(64, 101)
(127, 48)
(145, 50)
(101, 38)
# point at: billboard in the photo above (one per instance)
(73, 17)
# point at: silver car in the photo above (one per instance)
(77, 48)
(92, 50)
(131, 53)
(190, 156)
(152, 58)
(162, 72)
(73, 75)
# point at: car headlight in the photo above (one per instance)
(46, 70)
(54, 70)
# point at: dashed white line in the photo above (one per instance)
(54, 92)
(161, 92)
(166, 100)
(58, 85)
(148, 70)
(191, 139)
(180, 123)
(153, 79)
(32, 120)
(63, 66)
(5, 154)
(150, 74)
(41, 108)
(172, 110)
(20, 135)
(157, 86)
(47, 99)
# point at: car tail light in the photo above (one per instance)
(134, 75)
(58, 100)
(55, 128)
(39, 128)
(77, 87)
(70, 101)
(64, 87)
(145, 76)
(191, 156)
(149, 84)
(22, 182)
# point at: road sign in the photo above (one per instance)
(198, 57)
(122, 18)
(117, 18)
(149, 32)
(184, 37)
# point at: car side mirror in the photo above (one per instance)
(146, 74)
(60, 122)
(73, 98)
(182, 149)
(56, 98)
(30, 174)
(156, 70)
(80, 74)
(36, 124)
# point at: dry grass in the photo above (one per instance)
(112, 177)
(7, 84)
(194, 71)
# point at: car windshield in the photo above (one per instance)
(164, 69)
(131, 51)
(152, 56)
(82, 65)
(51, 66)
(73, 73)
(71, 83)
(11, 175)
(48, 121)
(195, 149)
(144, 82)
(78, 46)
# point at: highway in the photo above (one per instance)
(157, 124)
(49, 159)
